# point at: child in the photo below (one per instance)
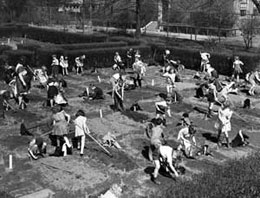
(81, 129)
(237, 68)
(37, 147)
(224, 116)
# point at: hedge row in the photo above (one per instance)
(52, 36)
(129, 40)
(59, 37)
(28, 46)
(4, 48)
(78, 46)
(222, 61)
(15, 55)
(9, 32)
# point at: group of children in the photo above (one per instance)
(216, 92)
(159, 152)
(61, 64)
(59, 136)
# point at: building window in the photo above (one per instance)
(242, 12)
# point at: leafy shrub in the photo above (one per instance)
(15, 55)
(239, 178)
(44, 55)
(76, 46)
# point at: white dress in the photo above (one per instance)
(80, 126)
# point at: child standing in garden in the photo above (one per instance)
(81, 129)
(237, 68)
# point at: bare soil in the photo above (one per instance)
(95, 172)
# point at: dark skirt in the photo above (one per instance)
(118, 103)
(52, 91)
(20, 88)
(211, 97)
(237, 70)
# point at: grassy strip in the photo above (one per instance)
(239, 178)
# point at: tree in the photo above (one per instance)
(138, 20)
(12, 9)
(247, 27)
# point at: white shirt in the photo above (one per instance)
(237, 62)
(116, 76)
(78, 62)
(117, 59)
(166, 153)
(183, 133)
(55, 61)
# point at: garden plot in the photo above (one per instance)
(93, 174)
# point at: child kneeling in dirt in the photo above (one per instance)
(186, 137)
(37, 147)
(166, 156)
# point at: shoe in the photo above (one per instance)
(155, 181)
(81, 155)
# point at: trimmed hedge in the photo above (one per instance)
(77, 46)
(221, 61)
(129, 40)
(52, 36)
(29, 46)
(4, 48)
(59, 37)
(9, 31)
(44, 55)
(15, 55)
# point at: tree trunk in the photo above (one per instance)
(138, 21)
(257, 4)
(160, 14)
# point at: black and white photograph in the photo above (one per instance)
(129, 98)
